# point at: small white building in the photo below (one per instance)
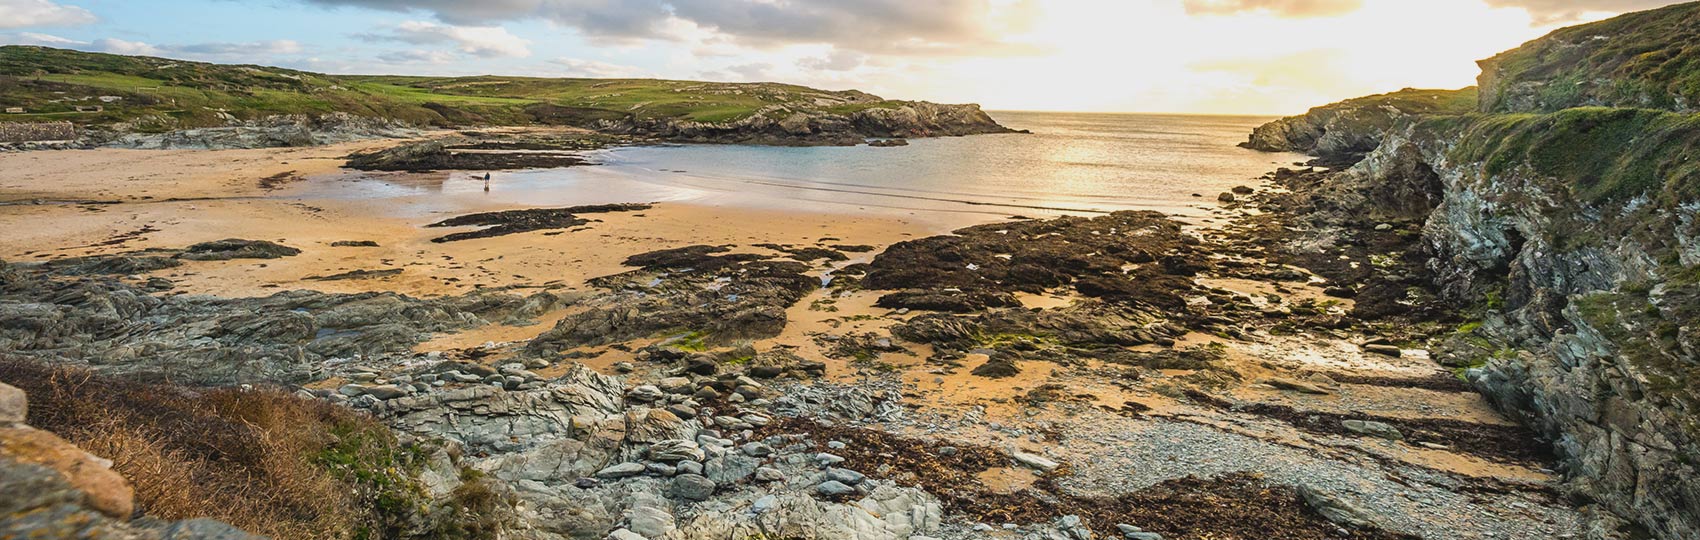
(14, 110)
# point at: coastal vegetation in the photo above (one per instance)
(95, 88)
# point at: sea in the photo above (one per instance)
(1070, 163)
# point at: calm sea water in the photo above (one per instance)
(1070, 163)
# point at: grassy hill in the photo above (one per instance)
(158, 94)
(1647, 59)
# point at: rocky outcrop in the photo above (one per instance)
(789, 126)
(1582, 275)
(289, 337)
(269, 132)
(1342, 133)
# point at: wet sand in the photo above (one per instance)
(60, 204)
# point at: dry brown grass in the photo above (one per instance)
(263, 460)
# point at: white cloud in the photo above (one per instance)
(27, 13)
(838, 60)
(574, 67)
(417, 56)
(34, 38)
(119, 46)
(481, 41)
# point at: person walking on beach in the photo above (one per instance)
(486, 182)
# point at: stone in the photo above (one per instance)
(1226, 197)
(689, 467)
(205, 529)
(768, 474)
(646, 394)
(1034, 461)
(622, 470)
(692, 487)
(1296, 386)
(730, 469)
(674, 450)
(845, 476)
(756, 449)
(1382, 349)
(103, 489)
(828, 459)
(1334, 508)
(660, 469)
(623, 534)
(834, 489)
(14, 405)
(1373, 429)
(649, 519)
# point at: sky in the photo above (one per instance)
(1178, 56)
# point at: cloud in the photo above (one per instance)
(481, 41)
(237, 50)
(217, 51)
(27, 13)
(417, 56)
(574, 67)
(900, 26)
(1281, 8)
(1554, 11)
(838, 60)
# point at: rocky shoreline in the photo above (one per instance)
(718, 427)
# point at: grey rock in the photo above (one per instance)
(834, 489)
(692, 487)
(1034, 461)
(768, 474)
(1334, 508)
(845, 476)
(621, 470)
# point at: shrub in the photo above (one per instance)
(263, 460)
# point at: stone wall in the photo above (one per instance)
(13, 132)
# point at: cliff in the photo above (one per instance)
(137, 101)
(1568, 239)
(1344, 132)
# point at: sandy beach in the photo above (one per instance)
(53, 208)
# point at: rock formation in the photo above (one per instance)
(1570, 236)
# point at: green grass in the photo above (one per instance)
(161, 94)
(1599, 154)
(1646, 59)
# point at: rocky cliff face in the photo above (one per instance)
(1571, 236)
(1344, 132)
(779, 125)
